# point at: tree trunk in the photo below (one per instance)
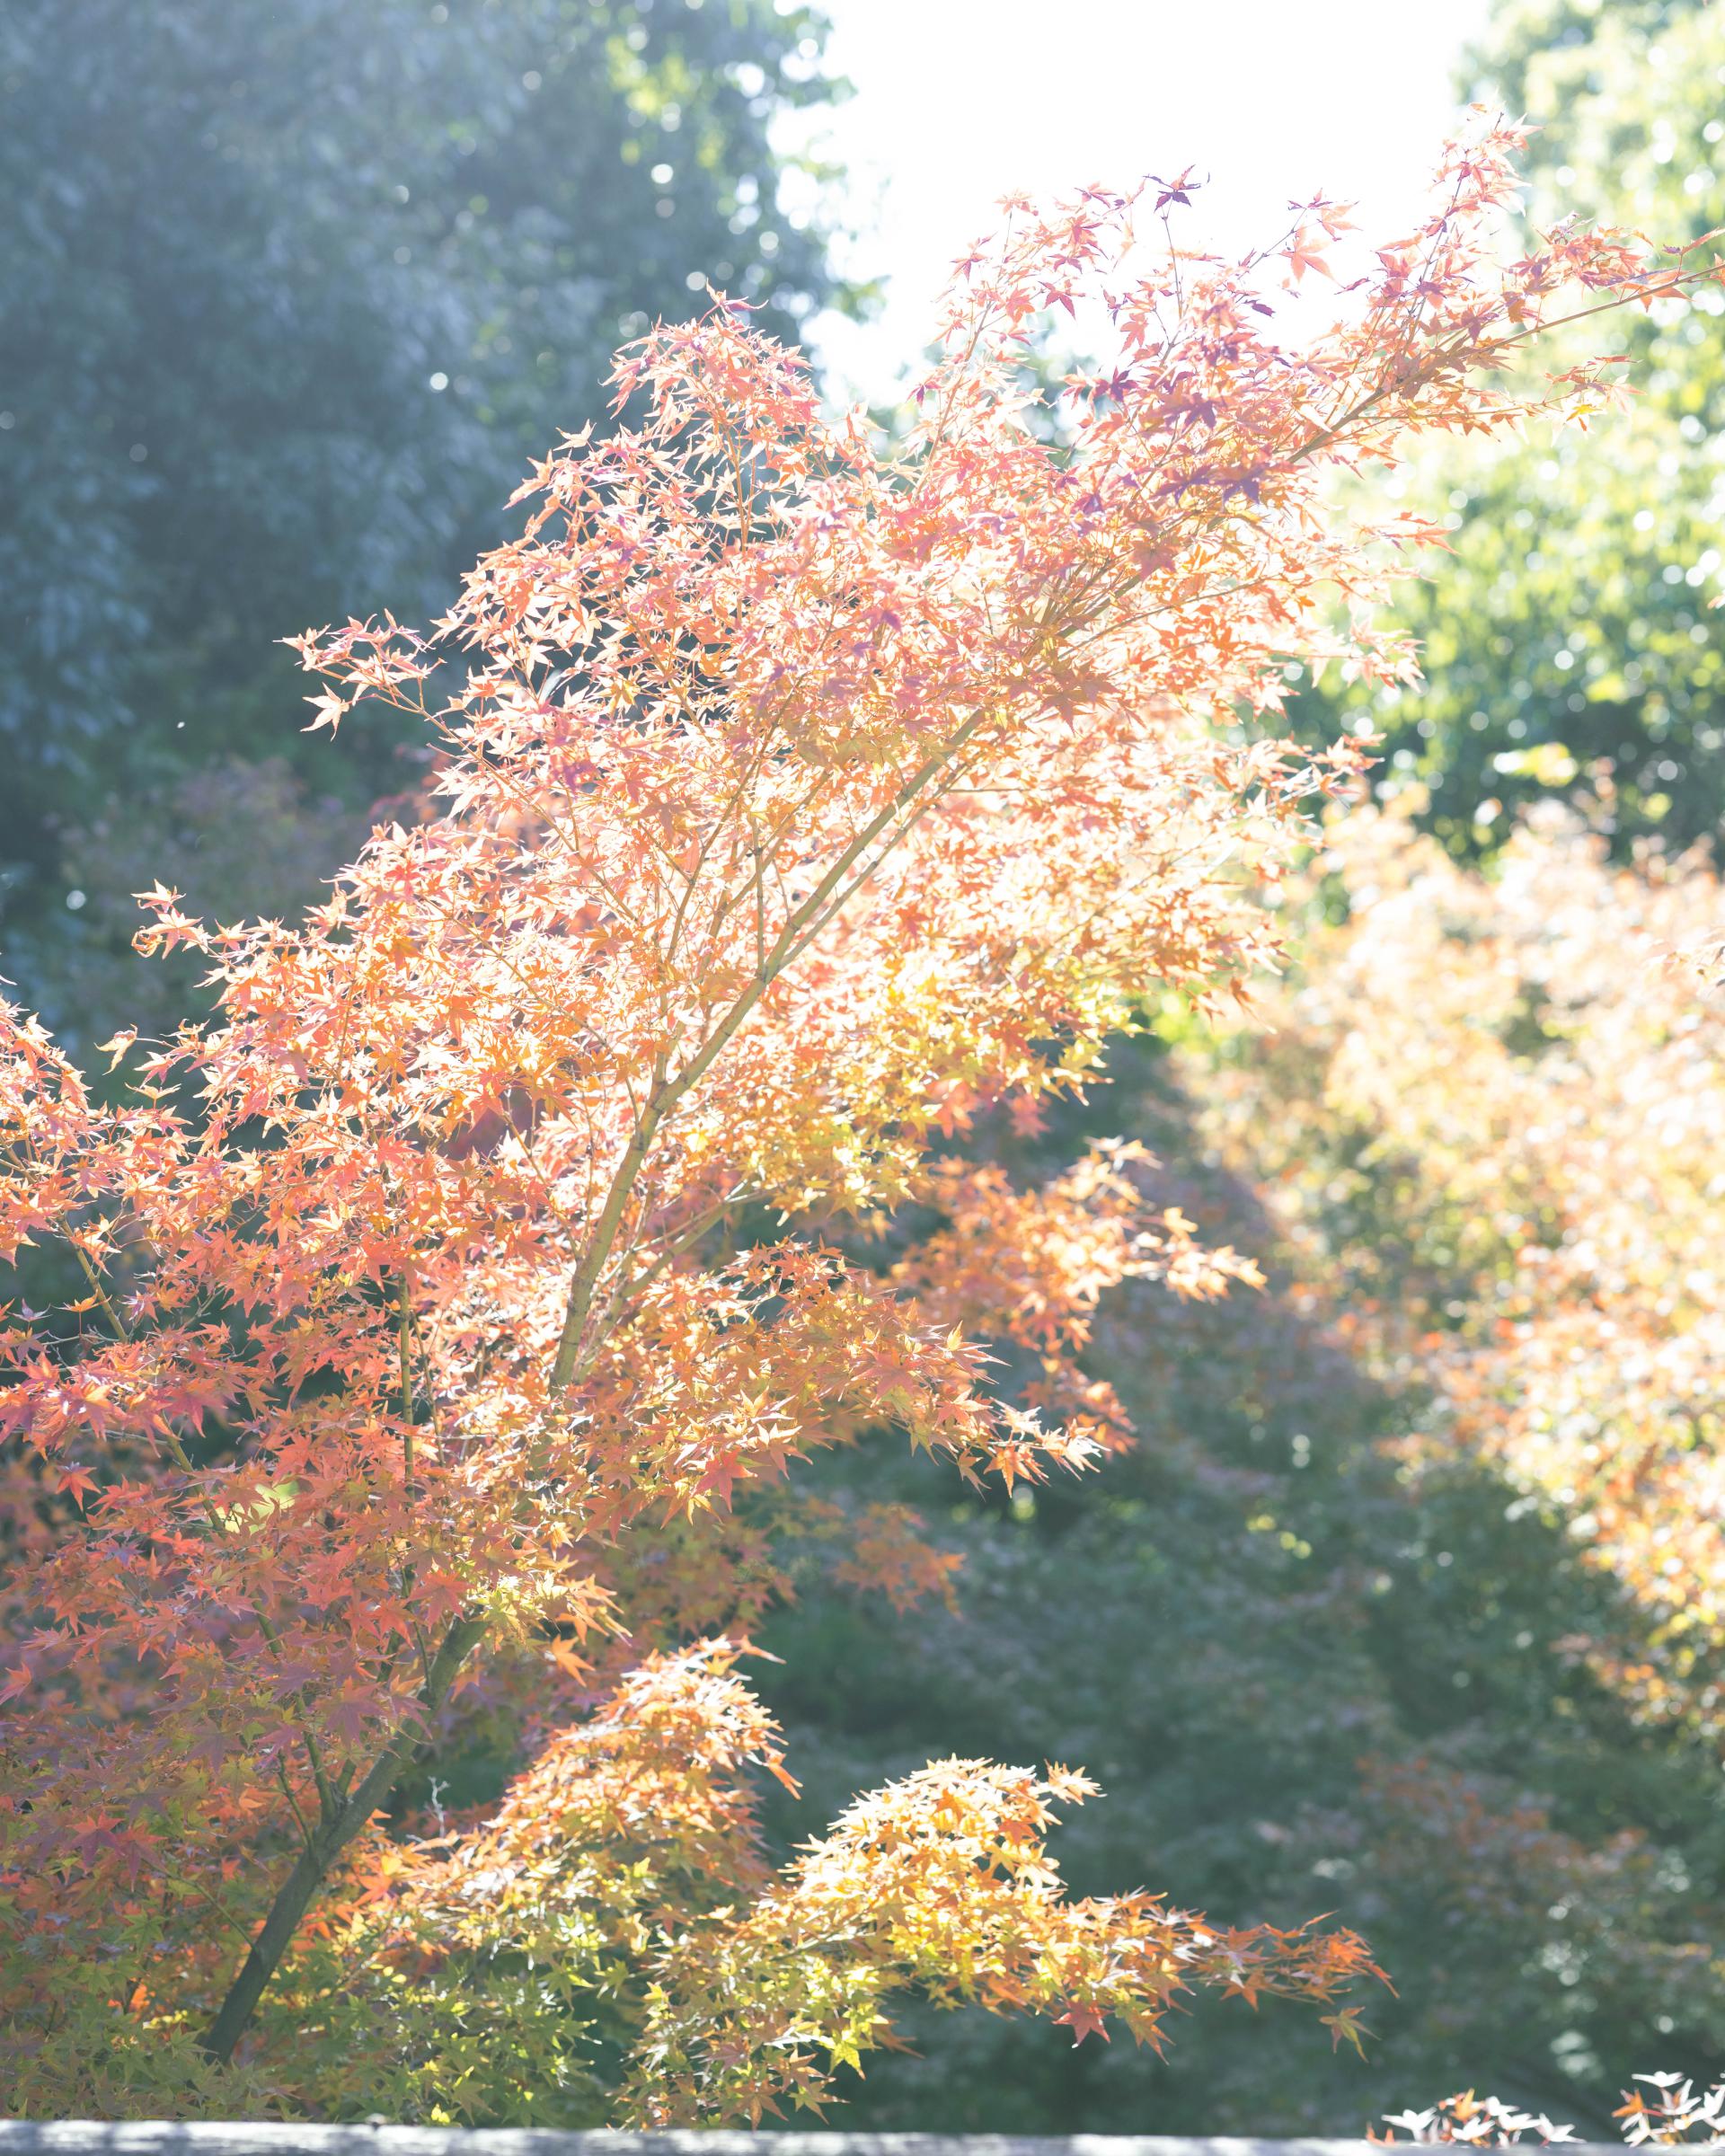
(332, 1836)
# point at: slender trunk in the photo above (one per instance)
(335, 1829)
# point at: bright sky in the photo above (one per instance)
(958, 102)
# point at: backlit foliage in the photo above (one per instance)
(1533, 1060)
(407, 1343)
(1664, 2111)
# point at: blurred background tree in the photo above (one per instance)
(1306, 1676)
(292, 293)
(1572, 618)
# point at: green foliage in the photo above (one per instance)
(292, 295)
(1572, 618)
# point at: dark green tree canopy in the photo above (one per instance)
(292, 291)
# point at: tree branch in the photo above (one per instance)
(665, 1095)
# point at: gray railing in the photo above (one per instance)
(73, 2137)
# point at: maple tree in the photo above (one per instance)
(520, 1210)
